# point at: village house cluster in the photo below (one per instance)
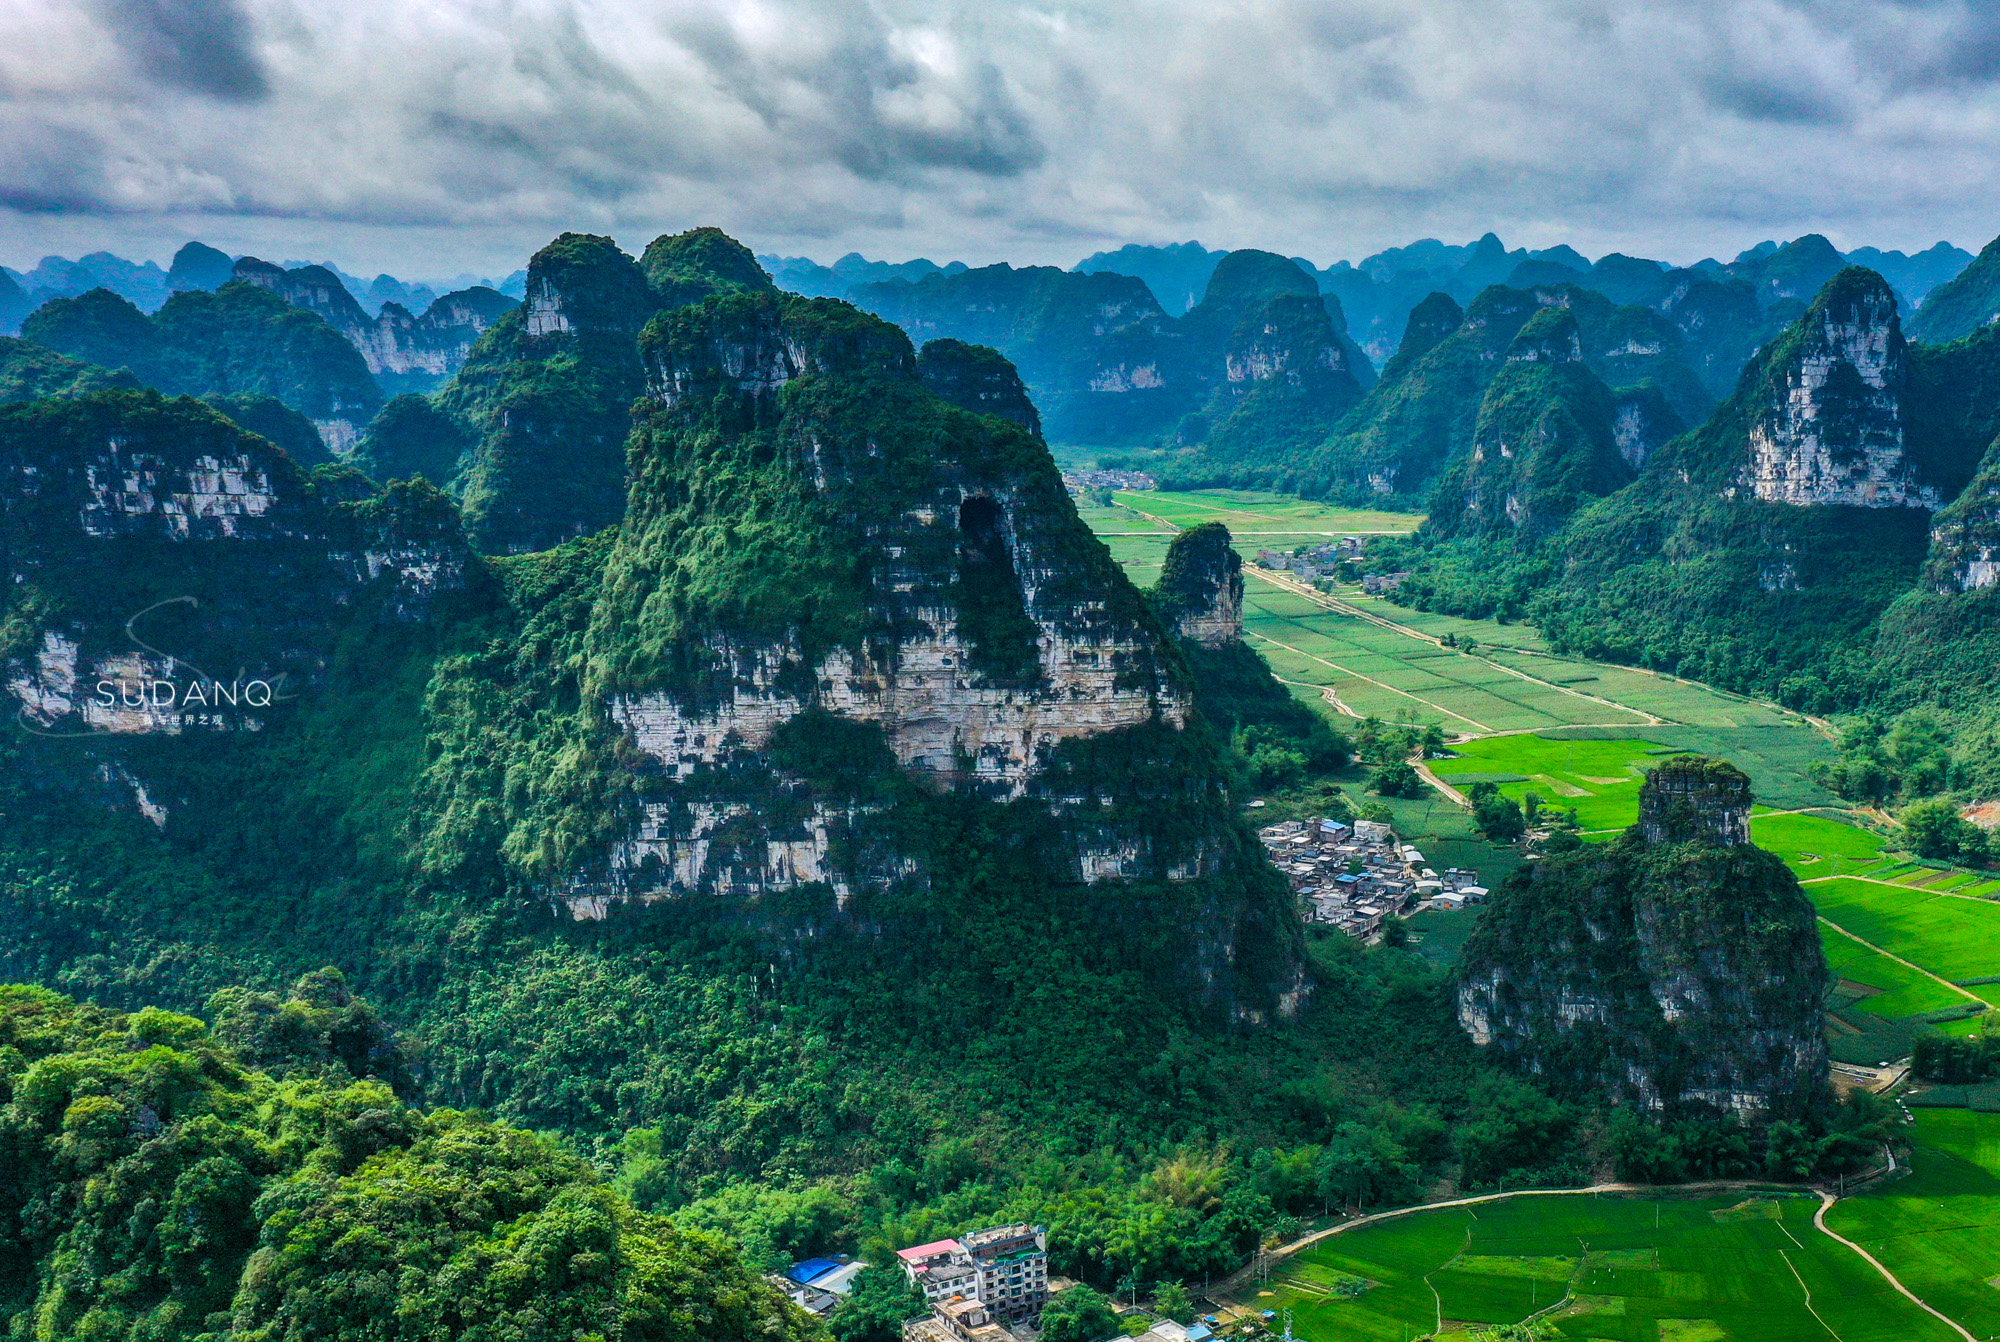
(980, 1286)
(1082, 482)
(1315, 563)
(1352, 876)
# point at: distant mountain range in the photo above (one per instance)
(198, 266)
(1118, 367)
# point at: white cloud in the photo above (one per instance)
(424, 134)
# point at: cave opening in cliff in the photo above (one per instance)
(992, 616)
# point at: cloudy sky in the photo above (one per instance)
(427, 137)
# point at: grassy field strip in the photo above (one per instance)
(1827, 1200)
(1894, 885)
(1275, 508)
(1956, 939)
(1319, 598)
(1370, 679)
(1938, 1229)
(1689, 1264)
(1889, 955)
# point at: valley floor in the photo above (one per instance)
(1911, 945)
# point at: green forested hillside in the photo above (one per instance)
(157, 1183)
(834, 848)
(1787, 557)
(239, 340)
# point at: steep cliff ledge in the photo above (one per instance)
(1676, 968)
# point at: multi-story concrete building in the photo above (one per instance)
(1005, 1268)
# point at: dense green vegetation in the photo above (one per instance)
(29, 372)
(411, 437)
(1828, 608)
(546, 393)
(158, 1182)
(1641, 922)
(239, 340)
(1164, 1071)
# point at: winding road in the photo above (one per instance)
(1263, 1261)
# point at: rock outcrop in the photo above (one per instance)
(548, 393)
(1830, 429)
(1676, 969)
(1965, 537)
(1413, 434)
(1201, 586)
(407, 352)
(173, 572)
(977, 378)
(1546, 440)
(944, 595)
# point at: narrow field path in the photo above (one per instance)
(1325, 692)
(1897, 958)
(1237, 1279)
(1483, 729)
(1802, 1284)
(1423, 768)
(1827, 1200)
(1296, 588)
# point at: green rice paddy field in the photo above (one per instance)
(1710, 1268)
(1901, 938)
(1634, 1268)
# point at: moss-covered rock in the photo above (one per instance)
(978, 378)
(685, 268)
(1546, 441)
(1676, 969)
(1200, 595)
(547, 393)
(30, 372)
(838, 609)
(271, 417)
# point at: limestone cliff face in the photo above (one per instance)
(1201, 586)
(1285, 374)
(1642, 423)
(842, 608)
(155, 548)
(1675, 969)
(1965, 540)
(1831, 427)
(407, 350)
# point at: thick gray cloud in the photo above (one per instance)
(202, 46)
(414, 134)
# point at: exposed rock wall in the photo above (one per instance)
(992, 644)
(1965, 541)
(1201, 586)
(395, 343)
(1692, 798)
(185, 572)
(1675, 969)
(1832, 430)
